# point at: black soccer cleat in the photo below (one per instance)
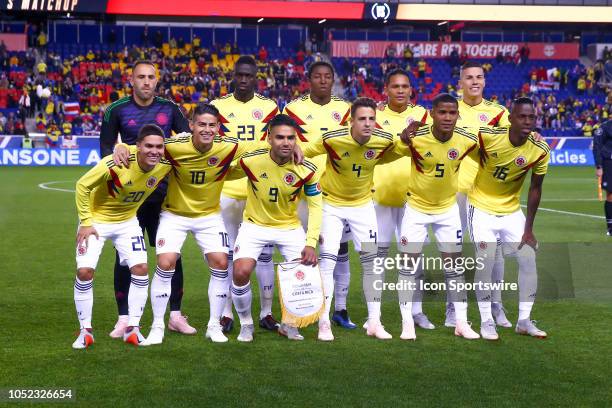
(227, 324)
(269, 323)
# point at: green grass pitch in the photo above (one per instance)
(38, 227)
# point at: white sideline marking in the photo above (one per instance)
(568, 200)
(45, 186)
(599, 217)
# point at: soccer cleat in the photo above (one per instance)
(376, 329)
(214, 332)
(84, 340)
(342, 319)
(325, 332)
(133, 336)
(408, 332)
(527, 327)
(499, 314)
(227, 324)
(156, 335)
(451, 320)
(120, 327)
(464, 329)
(179, 324)
(423, 322)
(290, 332)
(488, 330)
(246, 333)
(269, 323)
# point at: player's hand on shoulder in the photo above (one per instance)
(83, 233)
(381, 106)
(298, 155)
(309, 256)
(529, 239)
(121, 155)
(410, 131)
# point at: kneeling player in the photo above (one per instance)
(507, 155)
(107, 199)
(270, 215)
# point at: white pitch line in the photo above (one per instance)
(45, 186)
(598, 217)
(568, 200)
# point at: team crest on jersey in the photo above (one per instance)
(82, 250)
(213, 161)
(453, 154)
(257, 114)
(299, 275)
(404, 241)
(289, 178)
(161, 119)
(151, 181)
(483, 117)
(369, 154)
(161, 242)
(520, 161)
(336, 116)
(482, 245)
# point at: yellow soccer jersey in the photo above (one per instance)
(246, 121)
(433, 181)
(486, 113)
(109, 194)
(349, 170)
(503, 167)
(391, 179)
(197, 178)
(273, 191)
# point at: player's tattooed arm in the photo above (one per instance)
(533, 202)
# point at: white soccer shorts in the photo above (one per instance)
(127, 238)
(361, 221)
(253, 239)
(446, 228)
(209, 233)
(303, 214)
(484, 228)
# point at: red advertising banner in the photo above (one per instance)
(14, 42)
(239, 8)
(430, 49)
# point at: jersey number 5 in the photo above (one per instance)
(439, 170)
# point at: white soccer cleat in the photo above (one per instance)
(179, 324)
(156, 336)
(423, 322)
(290, 332)
(499, 314)
(134, 336)
(120, 326)
(214, 332)
(408, 332)
(376, 329)
(528, 328)
(246, 333)
(84, 340)
(464, 329)
(488, 331)
(325, 332)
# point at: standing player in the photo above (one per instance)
(437, 152)
(107, 198)
(270, 215)
(474, 112)
(352, 154)
(316, 113)
(389, 192)
(125, 117)
(244, 115)
(200, 162)
(506, 157)
(602, 152)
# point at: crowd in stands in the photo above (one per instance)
(66, 96)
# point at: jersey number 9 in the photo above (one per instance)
(273, 194)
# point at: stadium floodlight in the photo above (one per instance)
(260, 20)
(322, 21)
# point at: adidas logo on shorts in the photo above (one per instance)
(346, 154)
(309, 117)
(428, 154)
(231, 116)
